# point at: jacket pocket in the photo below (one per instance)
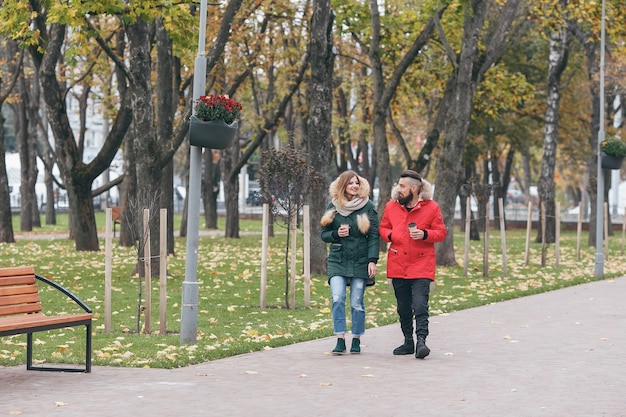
(335, 250)
(423, 253)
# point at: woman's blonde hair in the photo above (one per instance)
(341, 184)
(337, 192)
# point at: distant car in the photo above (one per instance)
(515, 196)
(255, 198)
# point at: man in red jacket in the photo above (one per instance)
(412, 222)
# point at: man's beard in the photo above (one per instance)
(406, 199)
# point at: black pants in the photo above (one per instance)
(412, 299)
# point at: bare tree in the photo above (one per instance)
(289, 176)
(134, 224)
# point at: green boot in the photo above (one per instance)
(340, 347)
(356, 346)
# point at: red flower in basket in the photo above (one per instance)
(217, 107)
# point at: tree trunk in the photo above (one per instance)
(167, 203)
(465, 192)
(6, 221)
(47, 156)
(591, 46)
(145, 142)
(496, 189)
(210, 189)
(383, 93)
(165, 110)
(128, 188)
(231, 191)
(379, 118)
(368, 171)
(558, 63)
(28, 159)
(76, 175)
(318, 140)
(82, 220)
(457, 107)
(183, 221)
(6, 224)
(267, 195)
(51, 216)
(34, 121)
(449, 165)
(33, 169)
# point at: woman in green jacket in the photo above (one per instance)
(350, 226)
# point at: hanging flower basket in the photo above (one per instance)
(213, 125)
(611, 161)
(214, 134)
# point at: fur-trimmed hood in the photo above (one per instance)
(362, 220)
(426, 193)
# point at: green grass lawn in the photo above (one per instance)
(230, 321)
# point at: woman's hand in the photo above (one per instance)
(371, 269)
(344, 230)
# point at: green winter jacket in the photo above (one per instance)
(349, 256)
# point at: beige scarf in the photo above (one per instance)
(355, 204)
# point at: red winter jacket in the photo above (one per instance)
(408, 258)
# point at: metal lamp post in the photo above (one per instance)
(599, 267)
(189, 309)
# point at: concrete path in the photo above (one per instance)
(561, 353)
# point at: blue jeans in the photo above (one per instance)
(338, 286)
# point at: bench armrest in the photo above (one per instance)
(64, 291)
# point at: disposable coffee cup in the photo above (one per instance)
(412, 227)
(345, 225)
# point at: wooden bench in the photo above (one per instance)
(116, 217)
(21, 313)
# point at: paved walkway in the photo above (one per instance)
(561, 353)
